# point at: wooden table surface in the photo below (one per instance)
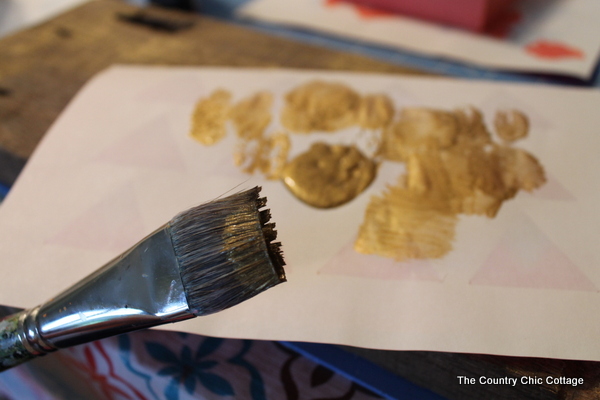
(42, 68)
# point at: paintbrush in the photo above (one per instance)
(204, 260)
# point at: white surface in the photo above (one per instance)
(119, 162)
(573, 23)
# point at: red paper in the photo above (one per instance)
(474, 15)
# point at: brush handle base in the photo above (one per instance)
(12, 347)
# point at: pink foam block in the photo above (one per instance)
(474, 15)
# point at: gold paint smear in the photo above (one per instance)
(520, 169)
(255, 151)
(320, 106)
(209, 118)
(252, 116)
(327, 176)
(418, 129)
(476, 185)
(453, 165)
(402, 225)
(375, 111)
(267, 155)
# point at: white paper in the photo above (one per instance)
(119, 162)
(568, 26)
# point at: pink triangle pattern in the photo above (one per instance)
(149, 146)
(526, 258)
(226, 167)
(503, 100)
(552, 190)
(350, 263)
(114, 224)
(179, 89)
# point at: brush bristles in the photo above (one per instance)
(225, 253)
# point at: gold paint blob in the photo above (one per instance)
(320, 106)
(209, 117)
(453, 164)
(511, 125)
(327, 176)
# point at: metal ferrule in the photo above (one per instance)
(139, 289)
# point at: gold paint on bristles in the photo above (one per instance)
(225, 251)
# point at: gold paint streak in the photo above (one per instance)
(209, 118)
(327, 176)
(320, 106)
(402, 224)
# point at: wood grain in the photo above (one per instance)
(42, 68)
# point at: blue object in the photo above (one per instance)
(363, 372)
(3, 191)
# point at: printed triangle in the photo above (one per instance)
(180, 90)
(113, 224)
(552, 190)
(350, 263)
(500, 100)
(148, 146)
(526, 258)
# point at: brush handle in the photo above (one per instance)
(139, 289)
(12, 349)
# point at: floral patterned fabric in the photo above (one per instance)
(157, 364)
